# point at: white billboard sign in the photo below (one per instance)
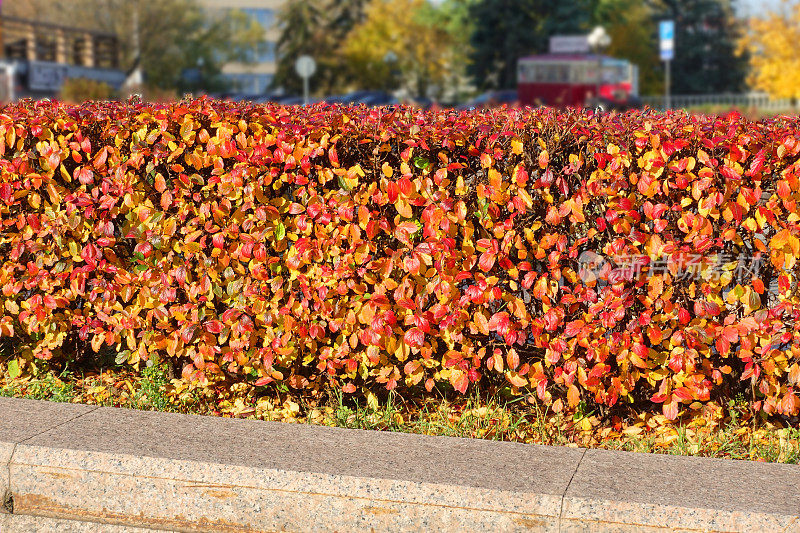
(569, 44)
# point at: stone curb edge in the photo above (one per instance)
(84, 468)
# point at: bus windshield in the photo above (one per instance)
(572, 72)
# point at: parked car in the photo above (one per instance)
(491, 99)
(370, 98)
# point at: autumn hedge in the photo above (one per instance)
(371, 249)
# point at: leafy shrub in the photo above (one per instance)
(392, 248)
(83, 89)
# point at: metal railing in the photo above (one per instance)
(748, 100)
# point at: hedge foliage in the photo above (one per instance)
(385, 248)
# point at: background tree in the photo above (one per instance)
(301, 25)
(319, 29)
(452, 16)
(706, 39)
(342, 17)
(506, 30)
(772, 46)
(423, 51)
(633, 30)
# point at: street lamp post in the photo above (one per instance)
(200, 64)
(598, 41)
(390, 59)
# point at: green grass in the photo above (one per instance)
(492, 417)
(49, 388)
(151, 393)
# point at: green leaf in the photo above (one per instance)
(13, 369)
(421, 162)
(280, 231)
(122, 357)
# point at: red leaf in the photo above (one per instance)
(393, 191)
(640, 350)
(166, 200)
(730, 333)
(85, 175)
(683, 394)
(407, 303)
(730, 173)
(757, 164)
(406, 187)
(213, 326)
(573, 328)
(670, 407)
(412, 264)
(100, 158)
(551, 320)
(144, 248)
(460, 380)
(499, 322)
(486, 261)
(404, 230)
(333, 156)
(187, 333)
(414, 337)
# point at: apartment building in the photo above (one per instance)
(254, 77)
(36, 57)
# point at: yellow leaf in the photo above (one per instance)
(97, 342)
(192, 247)
(516, 379)
(403, 208)
(481, 323)
(12, 307)
(387, 170)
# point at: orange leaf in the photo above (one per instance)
(573, 396)
(403, 208)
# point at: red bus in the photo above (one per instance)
(572, 79)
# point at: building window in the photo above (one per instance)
(250, 83)
(265, 17)
(264, 52)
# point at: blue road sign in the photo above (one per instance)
(666, 39)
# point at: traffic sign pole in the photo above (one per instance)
(666, 46)
(305, 66)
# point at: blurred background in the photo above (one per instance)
(716, 55)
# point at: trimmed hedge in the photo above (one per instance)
(594, 258)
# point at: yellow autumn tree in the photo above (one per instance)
(398, 46)
(772, 45)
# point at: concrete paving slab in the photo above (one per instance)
(627, 491)
(193, 473)
(21, 419)
(37, 524)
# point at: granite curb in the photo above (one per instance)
(110, 469)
